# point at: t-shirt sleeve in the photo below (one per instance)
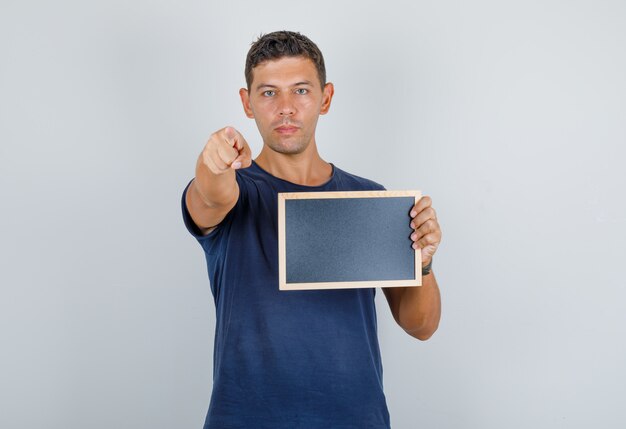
(191, 226)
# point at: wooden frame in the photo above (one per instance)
(282, 256)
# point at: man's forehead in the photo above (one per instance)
(285, 71)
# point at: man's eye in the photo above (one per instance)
(302, 91)
(269, 93)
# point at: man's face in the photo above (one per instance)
(285, 99)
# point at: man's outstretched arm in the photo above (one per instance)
(418, 309)
(214, 190)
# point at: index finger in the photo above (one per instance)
(233, 138)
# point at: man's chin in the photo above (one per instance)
(287, 149)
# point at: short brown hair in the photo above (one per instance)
(279, 44)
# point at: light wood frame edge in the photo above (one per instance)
(282, 255)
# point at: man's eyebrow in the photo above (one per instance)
(267, 85)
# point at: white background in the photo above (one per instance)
(511, 115)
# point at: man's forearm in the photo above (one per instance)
(214, 190)
(419, 308)
(422, 308)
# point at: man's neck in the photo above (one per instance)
(306, 168)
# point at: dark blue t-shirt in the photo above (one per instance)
(286, 359)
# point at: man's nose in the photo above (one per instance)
(286, 107)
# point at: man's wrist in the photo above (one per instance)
(426, 268)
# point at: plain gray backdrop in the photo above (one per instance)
(510, 114)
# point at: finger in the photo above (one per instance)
(216, 169)
(226, 153)
(430, 226)
(219, 162)
(427, 240)
(423, 216)
(421, 204)
(229, 135)
(234, 138)
(244, 160)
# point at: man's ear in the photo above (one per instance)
(245, 101)
(327, 97)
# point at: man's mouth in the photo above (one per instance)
(286, 129)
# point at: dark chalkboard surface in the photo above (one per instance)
(333, 240)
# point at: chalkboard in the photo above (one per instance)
(356, 239)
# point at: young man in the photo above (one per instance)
(290, 359)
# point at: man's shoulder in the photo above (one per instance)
(358, 182)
